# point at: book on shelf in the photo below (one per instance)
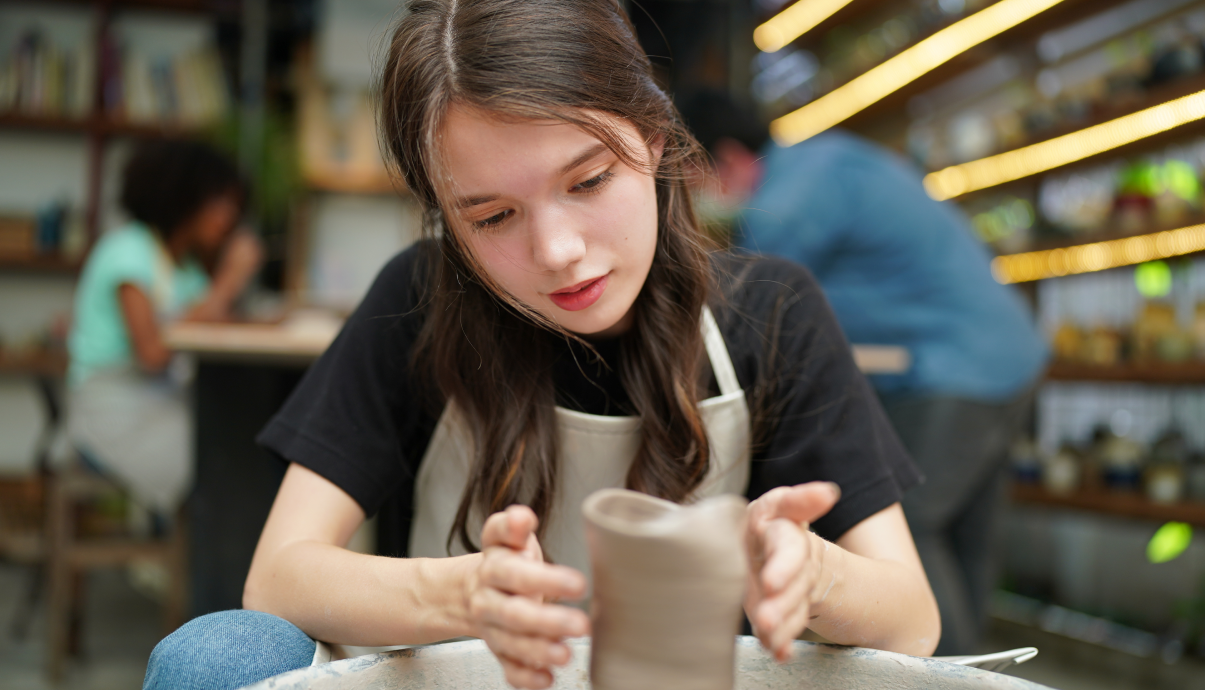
(187, 89)
(40, 79)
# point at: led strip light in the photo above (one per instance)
(1035, 158)
(870, 87)
(793, 22)
(1086, 258)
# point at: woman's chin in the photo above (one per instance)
(601, 324)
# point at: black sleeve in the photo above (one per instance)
(355, 418)
(815, 416)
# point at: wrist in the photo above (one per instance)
(464, 581)
(830, 581)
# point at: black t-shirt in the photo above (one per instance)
(356, 419)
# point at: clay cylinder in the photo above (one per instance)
(668, 585)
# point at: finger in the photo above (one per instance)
(773, 611)
(790, 615)
(786, 553)
(529, 650)
(510, 528)
(764, 507)
(517, 575)
(804, 503)
(522, 615)
(783, 642)
(521, 676)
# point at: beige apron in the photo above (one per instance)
(595, 452)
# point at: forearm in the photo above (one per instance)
(234, 271)
(343, 597)
(880, 604)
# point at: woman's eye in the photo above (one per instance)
(493, 221)
(594, 183)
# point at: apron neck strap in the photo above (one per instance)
(717, 352)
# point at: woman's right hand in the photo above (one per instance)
(509, 595)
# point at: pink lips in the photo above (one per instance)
(580, 296)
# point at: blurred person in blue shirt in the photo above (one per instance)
(179, 257)
(899, 269)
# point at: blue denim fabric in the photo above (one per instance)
(227, 650)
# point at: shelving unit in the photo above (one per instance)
(41, 264)
(1118, 504)
(98, 126)
(888, 108)
(1155, 373)
(53, 364)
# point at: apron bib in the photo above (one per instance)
(595, 453)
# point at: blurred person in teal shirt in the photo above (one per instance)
(898, 269)
(180, 257)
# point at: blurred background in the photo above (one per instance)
(1101, 232)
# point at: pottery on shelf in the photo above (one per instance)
(668, 585)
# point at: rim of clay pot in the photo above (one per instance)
(628, 512)
(636, 514)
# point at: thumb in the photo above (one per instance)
(511, 528)
(804, 503)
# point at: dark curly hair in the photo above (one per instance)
(167, 181)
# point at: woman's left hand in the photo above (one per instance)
(788, 577)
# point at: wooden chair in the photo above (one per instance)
(22, 528)
(70, 555)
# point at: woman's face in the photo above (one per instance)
(554, 216)
(209, 227)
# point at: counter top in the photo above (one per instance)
(301, 338)
(298, 339)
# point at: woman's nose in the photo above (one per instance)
(555, 243)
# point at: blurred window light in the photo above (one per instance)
(1055, 45)
(794, 22)
(780, 76)
(888, 77)
(770, 5)
(967, 86)
(957, 180)
(1097, 256)
(952, 6)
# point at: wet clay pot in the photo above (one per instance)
(668, 586)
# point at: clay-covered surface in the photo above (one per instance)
(471, 666)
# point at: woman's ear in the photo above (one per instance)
(656, 148)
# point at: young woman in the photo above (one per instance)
(563, 329)
(179, 257)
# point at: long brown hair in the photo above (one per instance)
(571, 61)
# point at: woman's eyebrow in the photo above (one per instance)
(465, 202)
(583, 157)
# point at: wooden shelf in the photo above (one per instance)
(37, 363)
(1129, 505)
(49, 123)
(353, 182)
(1062, 14)
(1182, 374)
(40, 264)
(219, 7)
(97, 125)
(1111, 232)
(1158, 96)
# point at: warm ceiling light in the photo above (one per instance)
(1086, 258)
(793, 22)
(842, 102)
(1035, 158)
